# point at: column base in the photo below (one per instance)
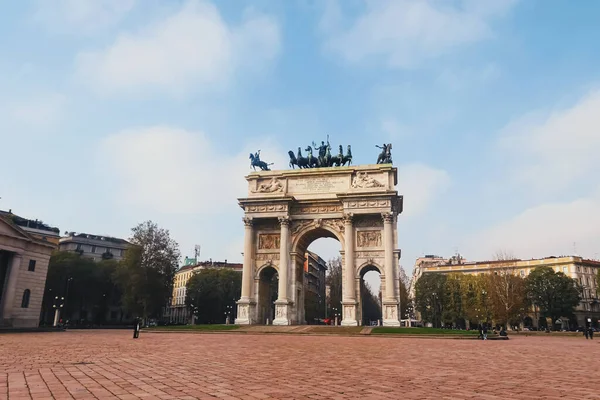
(390, 313)
(282, 313)
(349, 313)
(246, 314)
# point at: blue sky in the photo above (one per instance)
(113, 112)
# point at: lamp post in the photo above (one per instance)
(228, 311)
(59, 302)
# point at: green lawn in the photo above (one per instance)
(421, 331)
(197, 327)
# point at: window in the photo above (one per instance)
(93, 249)
(31, 265)
(565, 270)
(522, 273)
(78, 246)
(25, 299)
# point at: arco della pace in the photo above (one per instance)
(286, 210)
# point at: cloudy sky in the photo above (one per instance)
(113, 112)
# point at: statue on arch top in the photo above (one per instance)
(385, 157)
(255, 161)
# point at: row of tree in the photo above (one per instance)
(139, 285)
(500, 297)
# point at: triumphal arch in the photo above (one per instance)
(286, 210)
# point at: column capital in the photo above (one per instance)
(387, 217)
(284, 221)
(248, 221)
(348, 218)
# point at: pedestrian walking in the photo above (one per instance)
(586, 333)
(480, 329)
(591, 332)
(136, 328)
(485, 331)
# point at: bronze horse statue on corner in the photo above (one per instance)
(256, 162)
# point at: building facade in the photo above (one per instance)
(25, 249)
(178, 312)
(96, 247)
(581, 270)
(315, 269)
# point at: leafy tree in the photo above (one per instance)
(404, 299)
(453, 303)
(371, 308)
(146, 273)
(333, 279)
(86, 285)
(429, 297)
(507, 296)
(554, 293)
(212, 294)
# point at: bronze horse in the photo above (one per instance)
(256, 162)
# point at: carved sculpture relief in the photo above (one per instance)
(369, 204)
(318, 209)
(368, 223)
(272, 186)
(268, 241)
(280, 312)
(267, 208)
(243, 312)
(335, 224)
(297, 226)
(369, 254)
(362, 180)
(266, 256)
(368, 238)
(390, 312)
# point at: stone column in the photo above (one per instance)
(349, 295)
(390, 309)
(282, 314)
(247, 269)
(284, 255)
(350, 292)
(388, 243)
(11, 287)
(246, 304)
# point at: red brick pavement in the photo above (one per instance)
(110, 364)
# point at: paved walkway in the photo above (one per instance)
(110, 364)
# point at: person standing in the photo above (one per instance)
(136, 328)
(591, 332)
(485, 331)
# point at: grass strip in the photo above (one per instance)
(421, 331)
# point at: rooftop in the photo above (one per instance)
(94, 237)
(28, 223)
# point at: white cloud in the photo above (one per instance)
(190, 48)
(41, 110)
(406, 32)
(551, 151)
(548, 229)
(175, 171)
(420, 185)
(81, 16)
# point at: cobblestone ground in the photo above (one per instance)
(110, 364)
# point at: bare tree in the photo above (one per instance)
(504, 255)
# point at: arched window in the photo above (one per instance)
(25, 300)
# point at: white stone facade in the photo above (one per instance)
(287, 210)
(23, 269)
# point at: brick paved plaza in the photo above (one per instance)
(110, 364)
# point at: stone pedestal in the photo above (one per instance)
(390, 313)
(246, 314)
(282, 313)
(349, 314)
